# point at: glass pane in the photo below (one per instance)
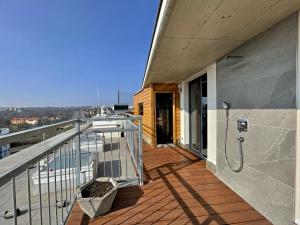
(164, 121)
(204, 115)
(195, 115)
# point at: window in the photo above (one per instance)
(141, 109)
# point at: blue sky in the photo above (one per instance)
(58, 52)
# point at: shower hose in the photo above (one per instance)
(240, 140)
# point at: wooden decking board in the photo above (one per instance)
(180, 212)
(178, 190)
(164, 193)
(184, 193)
(232, 217)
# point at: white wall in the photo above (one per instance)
(184, 113)
(297, 179)
(212, 113)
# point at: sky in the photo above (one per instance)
(59, 52)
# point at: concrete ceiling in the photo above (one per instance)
(191, 34)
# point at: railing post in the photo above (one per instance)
(29, 196)
(78, 151)
(14, 201)
(140, 161)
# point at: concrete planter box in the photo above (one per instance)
(96, 206)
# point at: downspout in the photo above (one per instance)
(161, 20)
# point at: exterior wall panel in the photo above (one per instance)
(147, 97)
(261, 87)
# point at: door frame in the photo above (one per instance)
(199, 152)
(173, 114)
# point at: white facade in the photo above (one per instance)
(212, 114)
(211, 111)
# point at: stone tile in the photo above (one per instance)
(270, 197)
(282, 170)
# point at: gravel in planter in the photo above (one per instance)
(97, 189)
(96, 197)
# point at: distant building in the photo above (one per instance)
(18, 121)
(33, 121)
(54, 118)
(120, 108)
(4, 149)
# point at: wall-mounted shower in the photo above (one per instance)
(226, 106)
(242, 126)
(231, 60)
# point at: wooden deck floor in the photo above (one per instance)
(178, 190)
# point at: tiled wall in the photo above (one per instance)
(261, 87)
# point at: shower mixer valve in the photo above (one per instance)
(242, 125)
(241, 139)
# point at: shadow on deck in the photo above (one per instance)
(178, 190)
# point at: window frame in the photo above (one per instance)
(141, 108)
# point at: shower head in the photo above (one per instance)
(225, 105)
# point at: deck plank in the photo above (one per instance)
(178, 190)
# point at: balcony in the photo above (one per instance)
(158, 185)
(38, 185)
(178, 189)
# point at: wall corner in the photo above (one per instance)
(212, 113)
(297, 176)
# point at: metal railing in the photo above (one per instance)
(38, 185)
(121, 156)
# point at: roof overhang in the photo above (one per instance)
(191, 34)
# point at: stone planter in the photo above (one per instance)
(96, 206)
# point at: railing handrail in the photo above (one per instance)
(110, 130)
(11, 137)
(17, 163)
(138, 117)
(112, 117)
